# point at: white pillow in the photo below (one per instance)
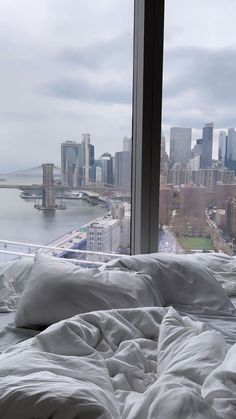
(58, 289)
(13, 278)
(180, 282)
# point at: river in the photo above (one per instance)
(20, 221)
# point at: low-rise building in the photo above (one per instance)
(103, 235)
(192, 201)
(220, 218)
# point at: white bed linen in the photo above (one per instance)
(11, 335)
(129, 364)
(13, 278)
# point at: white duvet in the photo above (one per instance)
(132, 364)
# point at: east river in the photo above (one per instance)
(20, 221)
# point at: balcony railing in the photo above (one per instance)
(82, 257)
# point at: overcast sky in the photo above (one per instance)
(200, 65)
(66, 68)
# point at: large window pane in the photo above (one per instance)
(66, 115)
(198, 147)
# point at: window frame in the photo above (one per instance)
(146, 124)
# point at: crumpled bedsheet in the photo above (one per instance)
(131, 363)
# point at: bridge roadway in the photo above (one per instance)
(91, 188)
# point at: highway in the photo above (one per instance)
(68, 240)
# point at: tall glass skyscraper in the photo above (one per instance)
(123, 169)
(77, 160)
(231, 150)
(207, 141)
(71, 163)
(180, 145)
(222, 147)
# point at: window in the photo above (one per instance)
(66, 122)
(197, 211)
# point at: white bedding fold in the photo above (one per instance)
(129, 364)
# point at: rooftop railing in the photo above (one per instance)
(82, 257)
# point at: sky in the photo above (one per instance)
(66, 69)
(199, 66)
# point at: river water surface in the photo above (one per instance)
(20, 221)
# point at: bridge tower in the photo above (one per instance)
(48, 186)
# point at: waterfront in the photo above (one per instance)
(20, 221)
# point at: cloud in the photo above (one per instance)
(199, 86)
(113, 53)
(86, 91)
(65, 69)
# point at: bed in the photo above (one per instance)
(149, 336)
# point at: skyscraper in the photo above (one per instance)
(77, 160)
(88, 159)
(180, 145)
(105, 163)
(163, 161)
(71, 163)
(207, 140)
(123, 169)
(231, 150)
(127, 144)
(222, 147)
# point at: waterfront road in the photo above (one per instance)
(168, 242)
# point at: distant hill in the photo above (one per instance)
(34, 171)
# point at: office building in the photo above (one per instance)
(164, 161)
(222, 147)
(122, 211)
(206, 177)
(123, 170)
(194, 163)
(210, 177)
(206, 146)
(105, 163)
(231, 150)
(71, 163)
(77, 161)
(88, 160)
(127, 144)
(179, 175)
(103, 235)
(197, 149)
(226, 176)
(180, 145)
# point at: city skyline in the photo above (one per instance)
(215, 148)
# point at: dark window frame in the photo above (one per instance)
(147, 117)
